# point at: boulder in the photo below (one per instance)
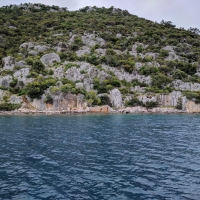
(116, 98)
(15, 99)
(83, 50)
(22, 74)
(59, 72)
(21, 63)
(33, 53)
(28, 45)
(92, 40)
(74, 74)
(100, 52)
(40, 48)
(5, 81)
(50, 59)
(118, 35)
(8, 63)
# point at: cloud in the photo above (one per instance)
(183, 13)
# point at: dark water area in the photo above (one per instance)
(115, 157)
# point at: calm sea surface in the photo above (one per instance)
(100, 157)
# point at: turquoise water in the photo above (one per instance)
(100, 157)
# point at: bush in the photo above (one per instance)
(105, 100)
(179, 105)
(148, 70)
(134, 102)
(164, 53)
(34, 90)
(151, 104)
(38, 66)
(160, 80)
(13, 83)
(9, 106)
(48, 99)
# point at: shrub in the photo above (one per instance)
(148, 70)
(48, 99)
(9, 106)
(38, 66)
(179, 105)
(134, 102)
(151, 104)
(34, 90)
(164, 53)
(160, 80)
(105, 100)
(13, 83)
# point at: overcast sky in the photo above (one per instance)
(183, 13)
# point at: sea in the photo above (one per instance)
(100, 157)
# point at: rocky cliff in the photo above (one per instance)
(95, 57)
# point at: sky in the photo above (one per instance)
(183, 13)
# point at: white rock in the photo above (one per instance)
(92, 39)
(21, 63)
(83, 50)
(8, 63)
(5, 81)
(50, 59)
(180, 85)
(22, 74)
(116, 98)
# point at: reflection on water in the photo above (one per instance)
(100, 157)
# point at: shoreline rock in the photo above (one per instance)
(99, 110)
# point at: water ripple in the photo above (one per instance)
(100, 157)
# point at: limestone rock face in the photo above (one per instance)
(145, 98)
(40, 48)
(170, 99)
(87, 84)
(61, 102)
(100, 52)
(15, 99)
(121, 74)
(5, 81)
(8, 63)
(192, 107)
(134, 47)
(59, 72)
(180, 85)
(27, 45)
(33, 53)
(22, 74)
(101, 109)
(172, 54)
(116, 98)
(1, 93)
(50, 59)
(21, 63)
(73, 74)
(118, 35)
(83, 50)
(92, 39)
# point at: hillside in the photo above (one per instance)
(54, 59)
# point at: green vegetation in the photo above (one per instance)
(9, 106)
(131, 45)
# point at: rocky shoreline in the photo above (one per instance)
(99, 110)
